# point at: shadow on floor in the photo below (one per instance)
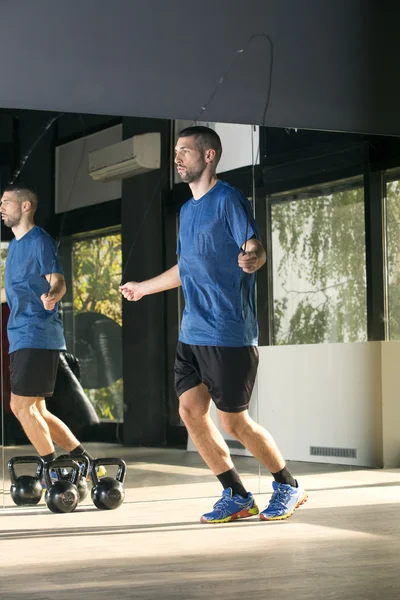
(311, 570)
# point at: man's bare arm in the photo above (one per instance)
(135, 290)
(56, 291)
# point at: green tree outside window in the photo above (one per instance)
(97, 265)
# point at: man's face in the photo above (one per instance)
(190, 162)
(11, 210)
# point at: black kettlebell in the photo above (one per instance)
(108, 493)
(81, 484)
(62, 496)
(26, 489)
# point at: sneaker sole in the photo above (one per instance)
(302, 500)
(243, 514)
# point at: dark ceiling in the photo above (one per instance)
(335, 61)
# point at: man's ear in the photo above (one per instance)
(210, 155)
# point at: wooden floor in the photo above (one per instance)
(343, 544)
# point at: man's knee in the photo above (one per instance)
(43, 410)
(21, 406)
(190, 413)
(194, 405)
(234, 424)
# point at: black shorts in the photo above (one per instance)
(228, 373)
(33, 372)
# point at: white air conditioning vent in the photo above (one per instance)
(131, 157)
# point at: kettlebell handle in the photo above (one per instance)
(60, 463)
(81, 460)
(121, 464)
(19, 460)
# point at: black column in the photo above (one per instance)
(144, 354)
(263, 284)
(67, 304)
(375, 252)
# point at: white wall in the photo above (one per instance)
(325, 395)
(391, 403)
(343, 396)
(74, 186)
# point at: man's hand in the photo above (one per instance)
(132, 291)
(249, 262)
(56, 291)
(135, 290)
(49, 301)
(253, 256)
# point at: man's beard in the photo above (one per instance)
(12, 221)
(194, 173)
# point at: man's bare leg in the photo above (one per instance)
(60, 433)
(255, 438)
(33, 423)
(194, 409)
(195, 413)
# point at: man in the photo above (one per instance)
(219, 253)
(34, 285)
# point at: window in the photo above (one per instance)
(318, 265)
(97, 331)
(393, 256)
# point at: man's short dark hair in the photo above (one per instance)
(24, 193)
(205, 138)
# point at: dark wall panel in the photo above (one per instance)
(144, 361)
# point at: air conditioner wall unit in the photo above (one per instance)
(136, 155)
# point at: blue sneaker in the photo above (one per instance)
(229, 507)
(284, 501)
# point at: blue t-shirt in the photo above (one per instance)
(30, 325)
(220, 306)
